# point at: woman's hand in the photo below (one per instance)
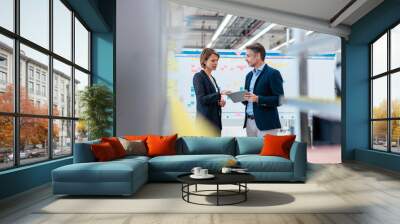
(222, 103)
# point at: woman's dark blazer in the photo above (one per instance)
(207, 98)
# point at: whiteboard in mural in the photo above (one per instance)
(231, 73)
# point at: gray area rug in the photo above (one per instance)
(166, 198)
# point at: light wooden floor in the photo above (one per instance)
(377, 188)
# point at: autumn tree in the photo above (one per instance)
(380, 127)
(6, 122)
(33, 131)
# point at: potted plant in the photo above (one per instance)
(96, 102)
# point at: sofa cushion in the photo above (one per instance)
(112, 171)
(194, 145)
(132, 158)
(185, 163)
(257, 163)
(249, 145)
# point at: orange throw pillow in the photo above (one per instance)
(161, 145)
(275, 145)
(116, 145)
(136, 137)
(103, 152)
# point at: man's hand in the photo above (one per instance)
(250, 97)
(222, 103)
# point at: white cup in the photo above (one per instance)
(226, 170)
(203, 172)
(196, 171)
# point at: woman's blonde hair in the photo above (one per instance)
(205, 55)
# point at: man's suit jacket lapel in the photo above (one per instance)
(248, 80)
(263, 73)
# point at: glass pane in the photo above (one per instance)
(395, 136)
(81, 45)
(62, 89)
(81, 131)
(35, 21)
(81, 81)
(395, 47)
(379, 135)
(7, 14)
(379, 97)
(62, 28)
(33, 139)
(6, 74)
(34, 72)
(379, 55)
(62, 138)
(6, 142)
(395, 95)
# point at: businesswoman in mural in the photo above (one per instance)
(209, 98)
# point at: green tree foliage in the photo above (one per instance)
(97, 103)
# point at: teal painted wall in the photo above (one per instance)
(377, 158)
(103, 61)
(103, 51)
(356, 84)
(24, 178)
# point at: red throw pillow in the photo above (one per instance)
(116, 145)
(161, 145)
(275, 145)
(103, 152)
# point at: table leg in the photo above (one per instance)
(182, 190)
(188, 190)
(217, 194)
(196, 188)
(245, 193)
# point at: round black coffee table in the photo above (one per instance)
(238, 179)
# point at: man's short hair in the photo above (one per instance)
(257, 48)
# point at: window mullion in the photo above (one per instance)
(371, 140)
(73, 82)
(389, 77)
(16, 84)
(50, 81)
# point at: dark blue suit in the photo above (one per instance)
(268, 87)
(207, 98)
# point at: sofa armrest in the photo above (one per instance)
(298, 155)
(83, 152)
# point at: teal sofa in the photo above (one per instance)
(125, 176)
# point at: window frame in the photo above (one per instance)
(388, 74)
(16, 114)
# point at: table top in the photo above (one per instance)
(220, 178)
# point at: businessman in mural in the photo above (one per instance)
(264, 86)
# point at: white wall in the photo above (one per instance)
(140, 73)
